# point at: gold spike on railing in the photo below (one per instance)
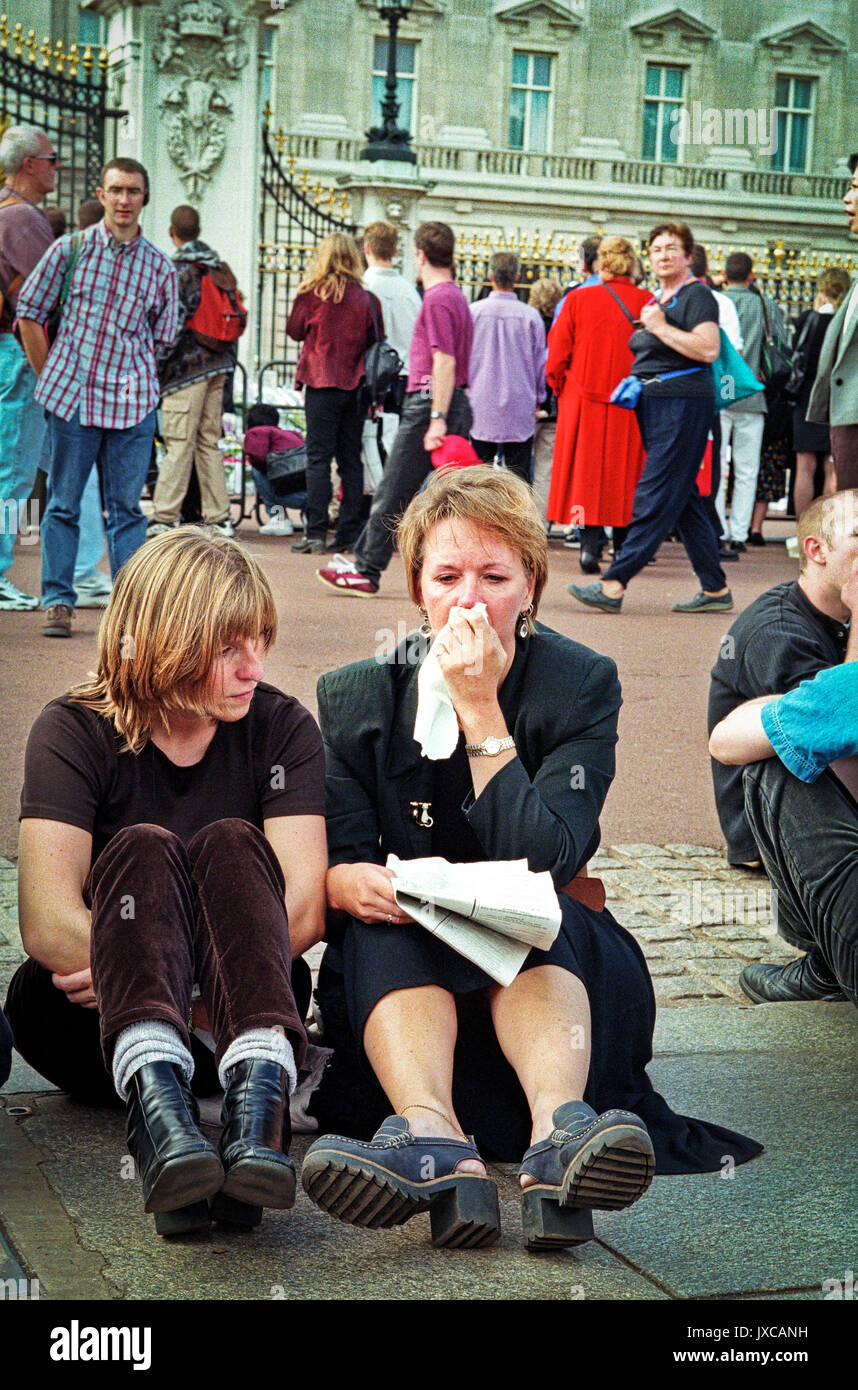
(87, 60)
(45, 51)
(280, 140)
(317, 192)
(304, 181)
(59, 56)
(73, 60)
(290, 163)
(4, 32)
(345, 209)
(103, 61)
(31, 46)
(266, 115)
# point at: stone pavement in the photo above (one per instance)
(774, 1228)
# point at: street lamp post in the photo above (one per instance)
(388, 141)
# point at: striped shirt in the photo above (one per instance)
(122, 301)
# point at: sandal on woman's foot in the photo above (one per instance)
(589, 1160)
(395, 1176)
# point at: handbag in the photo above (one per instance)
(799, 362)
(734, 380)
(775, 360)
(286, 469)
(382, 365)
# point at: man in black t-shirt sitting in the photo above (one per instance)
(786, 636)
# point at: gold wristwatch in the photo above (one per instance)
(490, 747)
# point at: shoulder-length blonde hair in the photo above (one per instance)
(335, 261)
(174, 605)
(491, 499)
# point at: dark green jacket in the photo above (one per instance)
(560, 701)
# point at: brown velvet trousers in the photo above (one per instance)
(165, 915)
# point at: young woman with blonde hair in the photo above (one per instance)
(333, 317)
(172, 832)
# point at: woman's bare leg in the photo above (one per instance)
(542, 1022)
(758, 516)
(805, 468)
(409, 1039)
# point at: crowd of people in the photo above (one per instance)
(189, 832)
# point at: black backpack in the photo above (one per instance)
(382, 365)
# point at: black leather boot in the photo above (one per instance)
(256, 1134)
(177, 1164)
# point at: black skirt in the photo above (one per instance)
(487, 1096)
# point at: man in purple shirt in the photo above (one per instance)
(436, 403)
(507, 369)
(28, 157)
(98, 381)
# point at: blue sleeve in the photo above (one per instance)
(817, 723)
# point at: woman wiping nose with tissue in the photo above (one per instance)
(510, 758)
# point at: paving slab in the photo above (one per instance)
(786, 1220)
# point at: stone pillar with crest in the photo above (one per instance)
(186, 74)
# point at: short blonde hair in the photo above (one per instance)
(175, 603)
(335, 261)
(545, 294)
(617, 256)
(491, 499)
(827, 518)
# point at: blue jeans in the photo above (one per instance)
(91, 545)
(273, 504)
(124, 459)
(22, 430)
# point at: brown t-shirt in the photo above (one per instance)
(270, 763)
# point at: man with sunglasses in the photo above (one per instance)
(30, 164)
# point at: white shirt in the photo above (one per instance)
(400, 304)
(728, 319)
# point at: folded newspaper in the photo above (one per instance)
(492, 913)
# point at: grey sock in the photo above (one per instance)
(260, 1045)
(152, 1040)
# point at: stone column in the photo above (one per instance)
(187, 74)
(387, 193)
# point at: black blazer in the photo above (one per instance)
(561, 703)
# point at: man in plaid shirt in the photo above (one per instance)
(98, 382)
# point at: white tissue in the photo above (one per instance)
(436, 727)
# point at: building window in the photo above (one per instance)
(530, 102)
(406, 82)
(662, 103)
(794, 104)
(90, 29)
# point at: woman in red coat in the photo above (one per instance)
(598, 453)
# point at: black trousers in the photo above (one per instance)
(517, 454)
(674, 432)
(404, 471)
(163, 916)
(808, 840)
(334, 430)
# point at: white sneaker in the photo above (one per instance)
(159, 528)
(13, 601)
(95, 582)
(223, 528)
(277, 526)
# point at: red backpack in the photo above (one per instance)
(221, 317)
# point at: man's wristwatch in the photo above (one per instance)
(490, 747)
(437, 415)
